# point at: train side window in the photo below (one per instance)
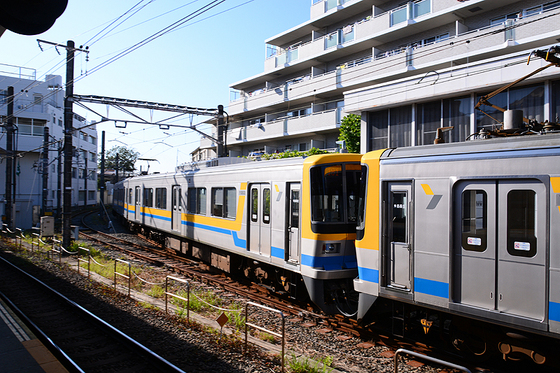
(521, 223)
(196, 201)
(130, 196)
(230, 195)
(223, 202)
(266, 205)
(161, 198)
(148, 197)
(254, 204)
(474, 217)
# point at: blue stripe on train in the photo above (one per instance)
(368, 274)
(431, 287)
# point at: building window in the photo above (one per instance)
(529, 99)
(82, 196)
(400, 130)
(91, 195)
(74, 173)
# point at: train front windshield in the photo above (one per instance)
(334, 196)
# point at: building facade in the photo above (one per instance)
(39, 105)
(407, 68)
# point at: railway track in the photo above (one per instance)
(84, 342)
(200, 272)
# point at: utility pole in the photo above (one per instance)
(59, 182)
(10, 158)
(68, 127)
(117, 167)
(85, 182)
(102, 186)
(221, 152)
(45, 170)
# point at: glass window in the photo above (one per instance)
(326, 193)
(521, 223)
(353, 185)
(196, 201)
(254, 204)
(474, 220)
(148, 197)
(378, 129)
(161, 198)
(400, 126)
(428, 120)
(266, 205)
(230, 203)
(456, 113)
(217, 201)
(294, 218)
(400, 205)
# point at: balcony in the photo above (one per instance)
(287, 126)
(472, 45)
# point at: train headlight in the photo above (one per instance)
(330, 248)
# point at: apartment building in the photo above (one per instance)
(39, 105)
(407, 68)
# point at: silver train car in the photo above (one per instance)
(463, 238)
(289, 224)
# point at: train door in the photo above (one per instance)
(500, 246)
(259, 219)
(399, 250)
(137, 203)
(293, 214)
(176, 209)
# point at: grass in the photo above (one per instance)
(305, 365)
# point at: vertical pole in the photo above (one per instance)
(117, 167)
(59, 183)
(102, 186)
(220, 149)
(45, 170)
(85, 181)
(68, 119)
(10, 156)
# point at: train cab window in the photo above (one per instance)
(266, 205)
(326, 193)
(353, 177)
(224, 202)
(196, 201)
(474, 220)
(148, 197)
(254, 204)
(521, 223)
(161, 198)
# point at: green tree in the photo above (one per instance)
(350, 132)
(127, 158)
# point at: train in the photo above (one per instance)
(464, 239)
(459, 241)
(288, 224)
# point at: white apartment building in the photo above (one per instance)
(39, 105)
(407, 68)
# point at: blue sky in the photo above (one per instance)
(193, 65)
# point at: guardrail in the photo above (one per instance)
(116, 273)
(80, 260)
(247, 324)
(176, 296)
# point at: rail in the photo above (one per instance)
(116, 273)
(428, 358)
(247, 324)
